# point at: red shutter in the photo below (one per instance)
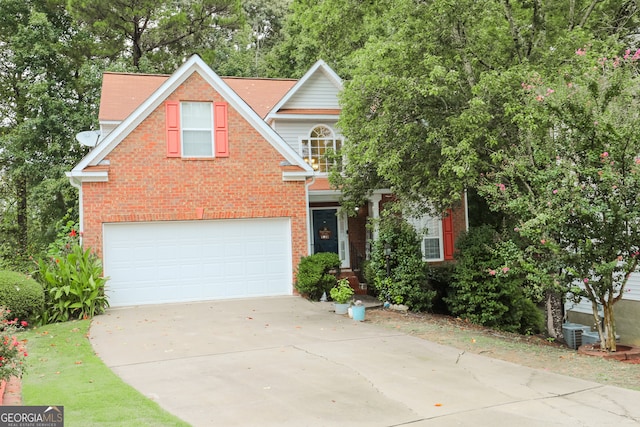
(172, 109)
(447, 235)
(221, 129)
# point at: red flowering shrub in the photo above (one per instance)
(12, 350)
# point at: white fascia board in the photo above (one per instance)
(315, 117)
(193, 64)
(78, 177)
(319, 65)
(296, 176)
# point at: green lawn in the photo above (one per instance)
(63, 370)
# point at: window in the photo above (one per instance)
(197, 129)
(430, 229)
(319, 147)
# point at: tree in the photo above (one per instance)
(408, 113)
(424, 111)
(48, 92)
(244, 54)
(155, 35)
(331, 30)
(571, 175)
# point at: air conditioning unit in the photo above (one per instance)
(594, 337)
(573, 334)
(590, 338)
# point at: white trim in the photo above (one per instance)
(194, 64)
(210, 129)
(327, 117)
(419, 224)
(335, 137)
(295, 176)
(318, 66)
(343, 236)
(78, 177)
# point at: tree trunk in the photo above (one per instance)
(553, 311)
(21, 213)
(608, 338)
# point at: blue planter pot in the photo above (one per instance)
(358, 312)
(341, 308)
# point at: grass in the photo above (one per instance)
(63, 370)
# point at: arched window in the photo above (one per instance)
(319, 146)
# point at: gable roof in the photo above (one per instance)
(122, 93)
(319, 70)
(193, 65)
(260, 94)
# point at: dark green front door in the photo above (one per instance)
(325, 230)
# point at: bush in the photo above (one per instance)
(21, 295)
(487, 288)
(342, 292)
(440, 278)
(72, 280)
(407, 282)
(314, 276)
(12, 351)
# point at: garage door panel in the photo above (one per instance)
(160, 262)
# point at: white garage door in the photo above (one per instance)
(176, 261)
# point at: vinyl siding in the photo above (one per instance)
(293, 131)
(632, 294)
(318, 92)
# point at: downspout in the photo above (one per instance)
(466, 210)
(78, 184)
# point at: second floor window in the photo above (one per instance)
(197, 129)
(319, 148)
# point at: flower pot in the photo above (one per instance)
(358, 312)
(341, 308)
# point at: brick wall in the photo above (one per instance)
(145, 185)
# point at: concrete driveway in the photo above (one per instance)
(285, 361)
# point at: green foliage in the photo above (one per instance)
(487, 289)
(12, 351)
(20, 294)
(407, 282)
(317, 274)
(440, 278)
(569, 175)
(90, 387)
(341, 292)
(48, 92)
(73, 281)
(179, 28)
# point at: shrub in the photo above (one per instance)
(407, 282)
(314, 276)
(21, 295)
(341, 292)
(12, 351)
(440, 278)
(485, 289)
(72, 280)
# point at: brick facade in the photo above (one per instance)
(145, 185)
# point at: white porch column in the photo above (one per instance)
(375, 212)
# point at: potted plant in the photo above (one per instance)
(341, 294)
